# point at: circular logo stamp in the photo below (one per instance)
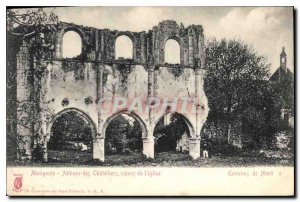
(18, 183)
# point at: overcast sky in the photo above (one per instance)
(266, 28)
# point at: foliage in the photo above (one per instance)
(71, 127)
(237, 88)
(35, 26)
(285, 89)
(25, 22)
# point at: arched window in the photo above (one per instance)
(124, 47)
(172, 52)
(71, 44)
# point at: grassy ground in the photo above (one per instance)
(167, 159)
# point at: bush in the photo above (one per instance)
(227, 150)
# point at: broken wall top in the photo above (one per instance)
(148, 47)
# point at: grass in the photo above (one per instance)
(165, 159)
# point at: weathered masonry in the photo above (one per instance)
(53, 85)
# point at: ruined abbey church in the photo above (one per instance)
(49, 85)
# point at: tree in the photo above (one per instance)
(282, 112)
(27, 22)
(236, 85)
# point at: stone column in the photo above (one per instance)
(198, 92)
(58, 46)
(24, 94)
(96, 44)
(42, 102)
(191, 49)
(99, 140)
(148, 141)
(98, 148)
(101, 44)
(195, 141)
(143, 48)
(43, 135)
(194, 150)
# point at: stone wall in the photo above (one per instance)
(78, 84)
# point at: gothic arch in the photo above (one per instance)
(186, 120)
(132, 114)
(77, 111)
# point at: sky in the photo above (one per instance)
(266, 29)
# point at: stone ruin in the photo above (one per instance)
(77, 84)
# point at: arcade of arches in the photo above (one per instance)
(71, 136)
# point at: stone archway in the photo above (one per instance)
(68, 138)
(186, 120)
(176, 136)
(134, 115)
(137, 118)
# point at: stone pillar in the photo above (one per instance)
(96, 44)
(101, 44)
(201, 47)
(99, 140)
(194, 150)
(148, 51)
(148, 142)
(98, 148)
(24, 94)
(191, 49)
(155, 48)
(198, 93)
(42, 140)
(148, 146)
(201, 111)
(143, 48)
(58, 47)
(42, 101)
(25, 148)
